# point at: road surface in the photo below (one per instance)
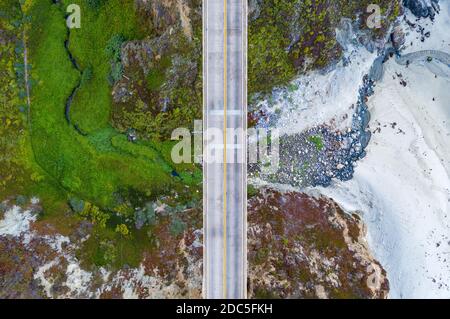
(224, 172)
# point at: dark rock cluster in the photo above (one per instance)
(422, 8)
(318, 155)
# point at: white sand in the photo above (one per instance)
(402, 187)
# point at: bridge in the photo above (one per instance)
(225, 158)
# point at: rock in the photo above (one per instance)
(418, 7)
(422, 8)
(121, 92)
(307, 247)
(131, 136)
(365, 139)
(144, 53)
(138, 57)
(183, 72)
(83, 230)
(398, 37)
(140, 219)
(168, 14)
(254, 9)
(77, 205)
(139, 52)
(377, 70)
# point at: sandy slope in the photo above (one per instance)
(317, 97)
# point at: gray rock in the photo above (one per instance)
(422, 8)
(398, 37)
(254, 9)
(121, 92)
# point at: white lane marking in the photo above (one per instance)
(229, 112)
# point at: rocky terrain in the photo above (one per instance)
(317, 146)
(299, 247)
(39, 262)
(306, 247)
(160, 88)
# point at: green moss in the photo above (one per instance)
(14, 176)
(157, 75)
(269, 64)
(106, 247)
(252, 191)
(97, 44)
(94, 168)
(317, 141)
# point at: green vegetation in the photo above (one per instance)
(13, 107)
(96, 45)
(291, 36)
(122, 229)
(252, 191)
(86, 76)
(95, 4)
(269, 64)
(100, 176)
(110, 248)
(66, 156)
(113, 51)
(166, 95)
(95, 215)
(317, 141)
(177, 227)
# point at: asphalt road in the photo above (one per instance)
(224, 172)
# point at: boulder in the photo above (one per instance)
(168, 14)
(422, 8)
(398, 37)
(254, 9)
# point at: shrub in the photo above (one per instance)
(95, 4)
(113, 51)
(76, 204)
(122, 229)
(177, 227)
(113, 47)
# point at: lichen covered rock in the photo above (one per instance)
(306, 247)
